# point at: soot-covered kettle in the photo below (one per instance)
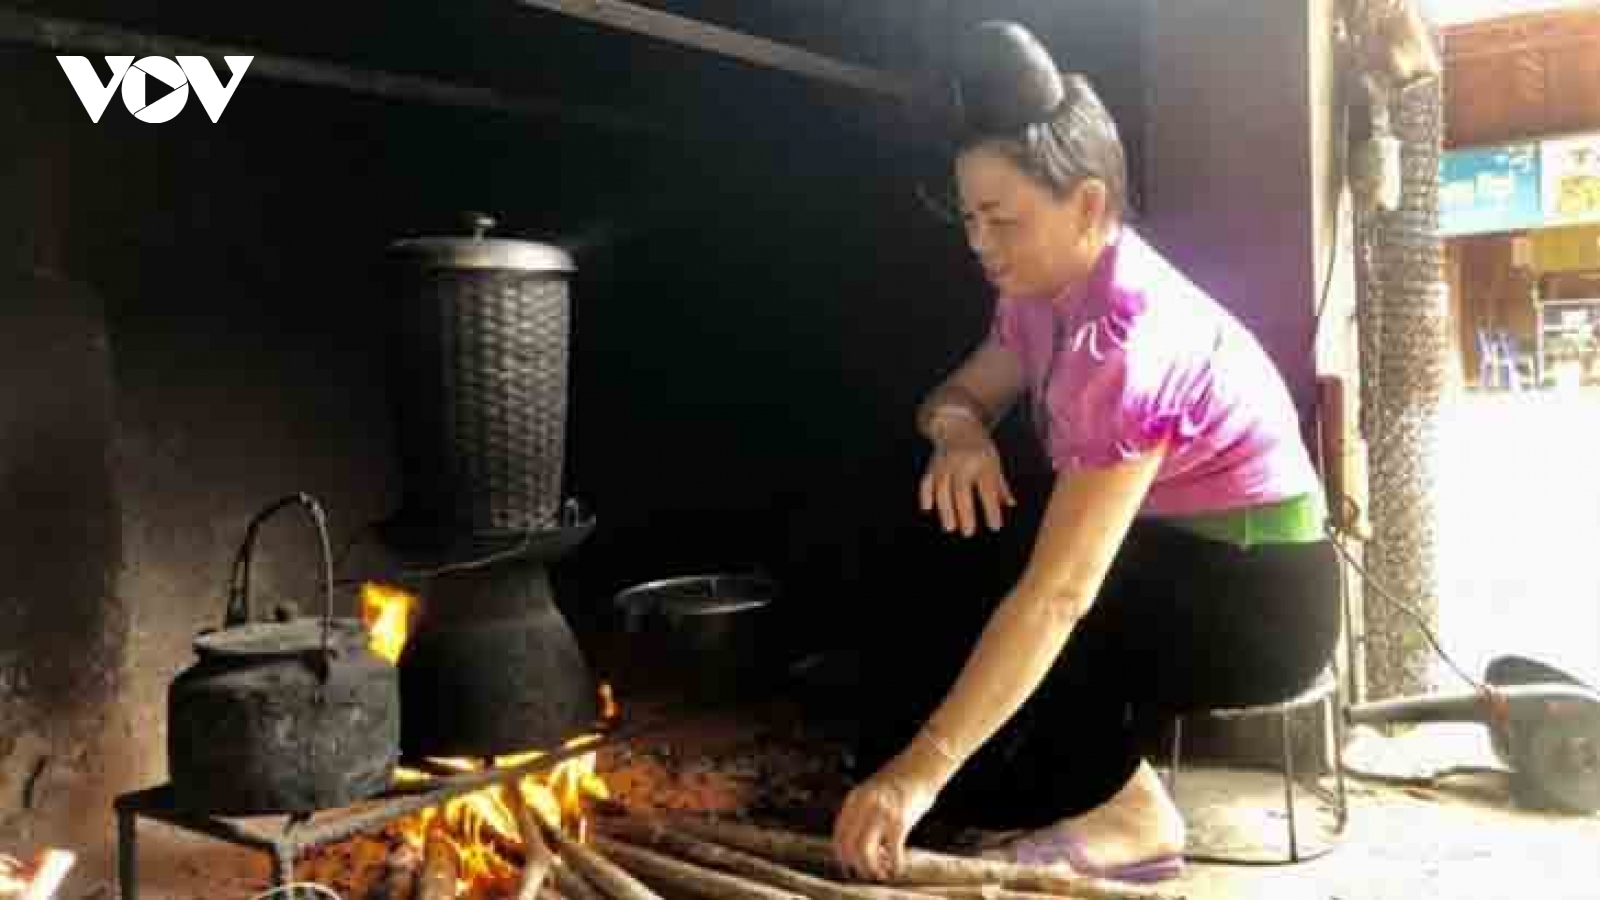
(282, 716)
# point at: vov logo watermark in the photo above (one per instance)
(134, 79)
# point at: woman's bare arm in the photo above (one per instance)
(986, 384)
(965, 474)
(1089, 514)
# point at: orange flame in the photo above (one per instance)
(12, 884)
(478, 825)
(38, 881)
(386, 611)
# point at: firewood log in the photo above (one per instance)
(571, 884)
(765, 870)
(397, 877)
(536, 855)
(986, 892)
(610, 878)
(677, 875)
(922, 867)
(439, 872)
(49, 872)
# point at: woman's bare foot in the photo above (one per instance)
(1140, 822)
(1138, 825)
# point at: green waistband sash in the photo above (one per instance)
(1298, 520)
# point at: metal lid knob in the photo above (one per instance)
(480, 223)
(480, 251)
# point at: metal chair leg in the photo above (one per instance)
(128, 854)
(1287, 737)
(1331, 698)
(1335, 727)
(1177, 750)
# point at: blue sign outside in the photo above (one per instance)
(1490, 189)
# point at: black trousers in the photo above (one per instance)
(1182, 623)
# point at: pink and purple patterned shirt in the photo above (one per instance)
(1140, 355)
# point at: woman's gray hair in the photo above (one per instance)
(1010, 97)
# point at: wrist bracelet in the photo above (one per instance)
(956, 408)
(953, 410)
(955, 395)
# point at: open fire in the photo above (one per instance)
(533, 840)
(480, 830)
(39, 881)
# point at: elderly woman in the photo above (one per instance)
(1180, 561)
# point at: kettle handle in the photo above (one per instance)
(239, 611)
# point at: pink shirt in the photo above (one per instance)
(1140, 355)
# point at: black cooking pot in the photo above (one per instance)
(282, 716)
(710, 635)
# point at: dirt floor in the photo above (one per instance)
(1458, 837)
(1462, 840)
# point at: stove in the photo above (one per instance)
(479, 385)
(491, 669)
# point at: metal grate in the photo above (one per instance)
(285, 840)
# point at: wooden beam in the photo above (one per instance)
(748, 48)
(67, 35)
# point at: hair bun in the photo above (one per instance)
(1005, 79)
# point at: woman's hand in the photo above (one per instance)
(869, 835)
(965, 463)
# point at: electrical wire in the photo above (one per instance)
(1411, 611)
(1333, 248)
(1319, 316)
(571, 515)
